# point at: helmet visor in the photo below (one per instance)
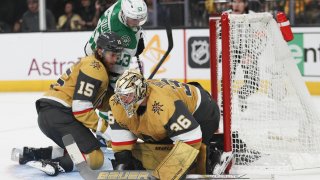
(135, 22)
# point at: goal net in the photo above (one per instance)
(270, 123)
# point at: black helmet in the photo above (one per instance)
(110, 41)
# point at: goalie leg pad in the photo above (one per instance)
(177, 162)
(201, 160)
(206, 160)
(151, 155)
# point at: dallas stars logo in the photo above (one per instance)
(157, 107)
(126, 40)
(95, 64)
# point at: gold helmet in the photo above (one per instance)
(130, 90)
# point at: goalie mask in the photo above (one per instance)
(134, 12)
(130, 90)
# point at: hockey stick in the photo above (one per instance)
(77, 158)
(139, 65)
(170, 46)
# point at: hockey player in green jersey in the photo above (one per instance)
(125, 18)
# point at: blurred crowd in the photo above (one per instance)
(301, 12)
(83, 15)
(61, 15)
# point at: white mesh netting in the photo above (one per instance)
(275, 126)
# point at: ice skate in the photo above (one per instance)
(225, 159)
(48, 166)
(30, 154)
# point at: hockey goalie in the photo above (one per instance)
(162, 113)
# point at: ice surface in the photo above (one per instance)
(19, 128)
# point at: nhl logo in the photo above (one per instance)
(125, 40)
(200, 51)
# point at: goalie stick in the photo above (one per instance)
(170, 46)
(88, 174)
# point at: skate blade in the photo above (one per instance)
(16, 154)
(48, 169)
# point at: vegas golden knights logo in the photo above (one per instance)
(157, 107)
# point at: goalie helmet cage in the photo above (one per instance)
(269, 121)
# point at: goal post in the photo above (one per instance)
(269, 121)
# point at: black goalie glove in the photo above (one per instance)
(125, 161)
(140, 47)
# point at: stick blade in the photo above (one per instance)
(75, 154)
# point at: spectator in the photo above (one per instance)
(318, 12)
(299, 8)
(87, 13)
(4, 27)
(214, 8)
(101, 6)
(312, 12)
(69, 21)
(199, 15)
(17, 26)
(255, 5)
(7, 12)
(30, 19)
(150, 20)
(164, 13)
(240, 7)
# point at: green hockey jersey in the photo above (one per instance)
(111, 21)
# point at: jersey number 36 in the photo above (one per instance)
(181, 124)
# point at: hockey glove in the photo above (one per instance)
(102, 141)
(140, 47)
(102, 137)
(125, 161)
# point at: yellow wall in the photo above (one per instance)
(42, 85)
(25, 86)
